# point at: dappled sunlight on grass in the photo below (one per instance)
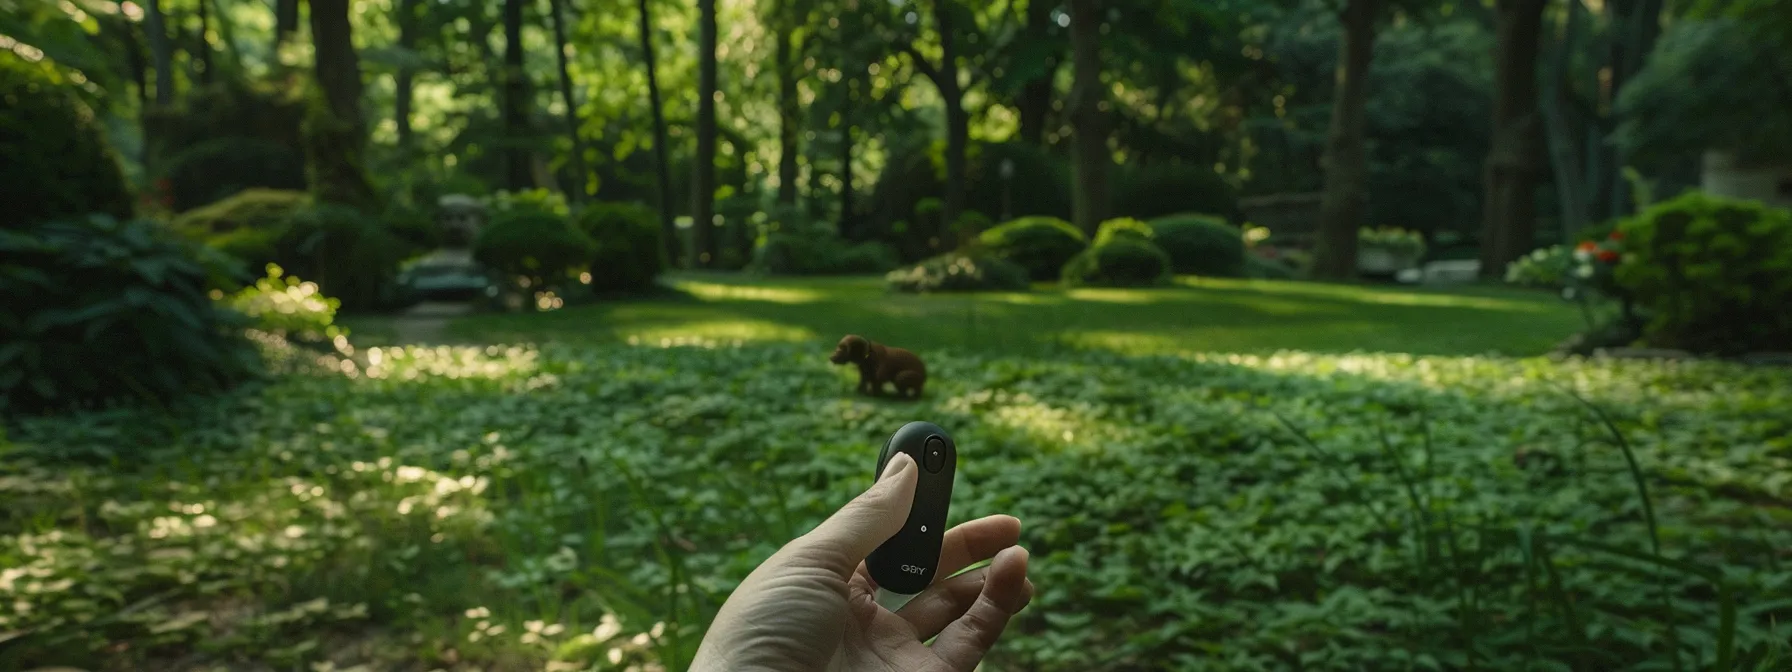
(1044, 425)
(1132, 296)
(710, 291)
(1465, 297)
(718, 330)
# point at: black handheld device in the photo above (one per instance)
(905, 564)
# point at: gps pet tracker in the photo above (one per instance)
(906, 563)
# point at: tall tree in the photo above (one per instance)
(1088, 118)
(161, 52)
(661, 164)
(203, 44)
(1508, 218)
(580, 177)
(518, 171)
(286, 22)
(404, 79)
(1034, 103)
(1346, 193)
(789, 107)
(703, 187)
(337, 135)
(944, 76)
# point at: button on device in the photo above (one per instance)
(934, 459)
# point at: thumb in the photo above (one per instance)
(842, 541)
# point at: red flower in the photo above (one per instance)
(1616, 235)
(1607, 256)
(1587, 246)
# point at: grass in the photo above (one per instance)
(580, 503)
(1197, 315)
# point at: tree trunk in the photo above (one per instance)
(207, 69)
(1564, 148)
(581, 179)
(789, 116)
(703, 187)
(161, 52)
(1639, 28)
(139, 70)
(403, 81)
(1346, 193)
(518, 172)
(286, 22)
(958, 120)
(337, 136)
(661, 164)
(1508, 219)
(1035, 100)
(1090, 197)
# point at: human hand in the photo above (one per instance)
(811, 606)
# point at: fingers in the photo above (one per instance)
(1005, 591)
(976, 541)
(842, 541)
(942, 603)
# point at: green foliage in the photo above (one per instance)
(507, 502)
(971, 224)
(1201, 245)
(959, 272)
(99, 310)
(351, 255)
(1124, 227)
(629, 253)
(57, 160)
(287, 307)
(1162, 189)
(818, 251)
(1395, 240)
(1714, 274)
(533, 246)
(1039, 244)
(216, 169)
(1703, 88)
(1123, 261)
(1544, 267)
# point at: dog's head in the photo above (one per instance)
(851, 349)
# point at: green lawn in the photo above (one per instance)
(572, 501)
(1197, 315)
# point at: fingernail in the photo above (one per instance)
(899, 463)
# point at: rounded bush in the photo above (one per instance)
(959, 272)
(217, 168)
(629, 253)
(533, 246)
(1039, 244)
(1124, 227)
(351, 255)
(1267, 269)
(1124, 261)
(1201, 245)
(100, 310)
(57, 162)
(1711, 274)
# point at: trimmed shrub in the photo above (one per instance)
(56, 160)
(1201, 245)
(959, 272)
(1545, 267)
(1711, 274)
(99, 310)
(351, 255)
(1039, 244)
(970, 224)
(819, 253)
(218, 168)
(1124, 227)
(532, 247)
(629, 253)
(1123, 261)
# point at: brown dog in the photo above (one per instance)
(879, 364)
